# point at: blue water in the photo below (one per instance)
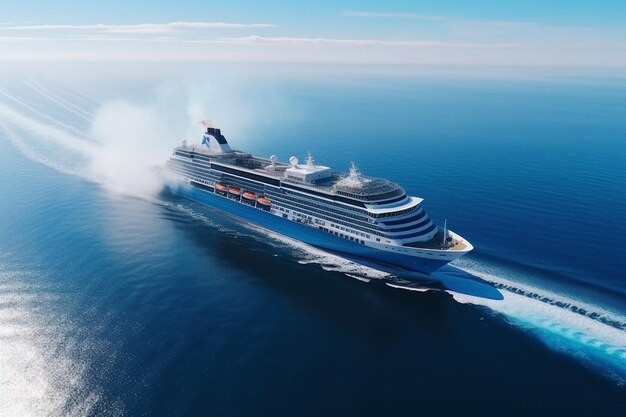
(133, 304)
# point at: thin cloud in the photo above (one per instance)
(251, 40)
(458, 42)
(140, 28)
(449, 20)
(25, 38)
(391, 15)
(275, 41)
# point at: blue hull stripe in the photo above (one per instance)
(305, 233)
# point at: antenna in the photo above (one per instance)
(445, 233)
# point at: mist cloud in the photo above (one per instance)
(135, 136)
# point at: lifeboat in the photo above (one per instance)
(234, 190)
(220, 187)
(264, 201)
(249, 196)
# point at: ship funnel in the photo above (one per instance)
(219, 143)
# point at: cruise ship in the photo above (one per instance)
(350, 214)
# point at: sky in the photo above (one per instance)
(529, 33)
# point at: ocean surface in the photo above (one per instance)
(117, 299)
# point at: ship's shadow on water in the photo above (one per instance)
(446, 278)
(248, 254)
(249, 250)
(461, 282)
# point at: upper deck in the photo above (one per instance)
(352, 185)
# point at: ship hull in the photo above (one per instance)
(305, 233)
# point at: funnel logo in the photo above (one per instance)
(205, 140)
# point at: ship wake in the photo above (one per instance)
(115, 143)
(593, 334)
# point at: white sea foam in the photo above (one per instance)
(401, 287)
(359, 278)
(511, 282)
(593, 334)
